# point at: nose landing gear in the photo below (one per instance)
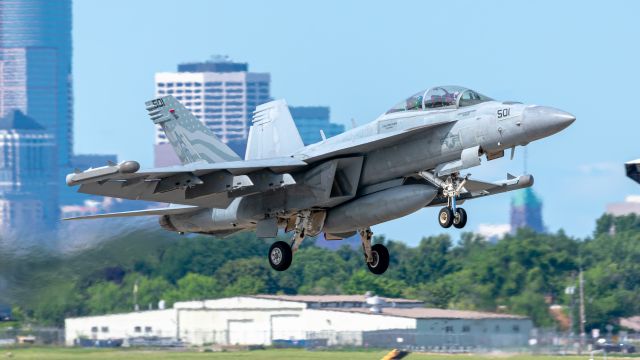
(451, 187)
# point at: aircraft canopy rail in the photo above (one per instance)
(440, 97)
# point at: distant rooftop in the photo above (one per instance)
(334, 299)
(309, 112)
(432, 313)
(218, 64)
(16, 120)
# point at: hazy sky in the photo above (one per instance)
(361, 57)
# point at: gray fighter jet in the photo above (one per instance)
(410, 157)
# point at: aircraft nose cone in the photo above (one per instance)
(543, 121)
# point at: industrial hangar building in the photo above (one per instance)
(326, 320)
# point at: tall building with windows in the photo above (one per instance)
(221, 93)
(311, 119)
(28, 187)
(526, 211)
(35, 66)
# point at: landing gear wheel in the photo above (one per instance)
(460, 218)
(280, 256)
(380, 262)
(445, 217)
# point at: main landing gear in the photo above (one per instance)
(281, 253)
(376, 256)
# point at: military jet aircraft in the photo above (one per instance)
(410, 157)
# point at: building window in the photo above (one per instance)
(147, 329)
(497, 328)
(179, 84)
(233, 83)
(94, 329)
(466, 328)
(214, 83)
(198, 84)
(516, 328)
(212, 90)
(104, 329)
(137, 329)
(448, 329)
(161, 84)
(234, 91)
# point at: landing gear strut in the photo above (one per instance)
(281, 253)
(451, 187)
(376, 256)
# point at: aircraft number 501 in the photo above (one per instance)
(504, 112)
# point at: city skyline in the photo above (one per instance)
(361, 69)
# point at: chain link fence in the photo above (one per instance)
(32, 335)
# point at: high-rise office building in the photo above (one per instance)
(311, 119)
(526, 211)
(28, 187)
(35, 66)
(220, 93)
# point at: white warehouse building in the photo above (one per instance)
(326, 319)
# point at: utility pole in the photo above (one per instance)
(583, 318)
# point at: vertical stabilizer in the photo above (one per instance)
(191, 140)
(273, 132)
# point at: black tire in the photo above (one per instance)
(280, 256)
(445, 217)
(380, 259)
(460, 218)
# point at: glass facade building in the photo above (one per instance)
(526, 211)
(35, 66)
(311, 119)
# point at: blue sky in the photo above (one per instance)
(361, 57)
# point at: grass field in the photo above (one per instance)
(75, 353)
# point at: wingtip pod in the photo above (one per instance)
(102, 173)
(526, 181)
(129, 167)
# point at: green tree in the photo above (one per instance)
(193, 287)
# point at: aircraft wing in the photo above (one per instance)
(194, 184)
(322, 151)
(172, 210)
(475, 188)
(633, 170)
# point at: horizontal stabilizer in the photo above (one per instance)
(163, 211)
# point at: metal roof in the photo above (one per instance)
(431, 313)
(333, 298)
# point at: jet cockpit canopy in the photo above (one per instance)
(440, 97)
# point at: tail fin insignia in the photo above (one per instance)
(191, 140)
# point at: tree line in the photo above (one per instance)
(523, 273)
